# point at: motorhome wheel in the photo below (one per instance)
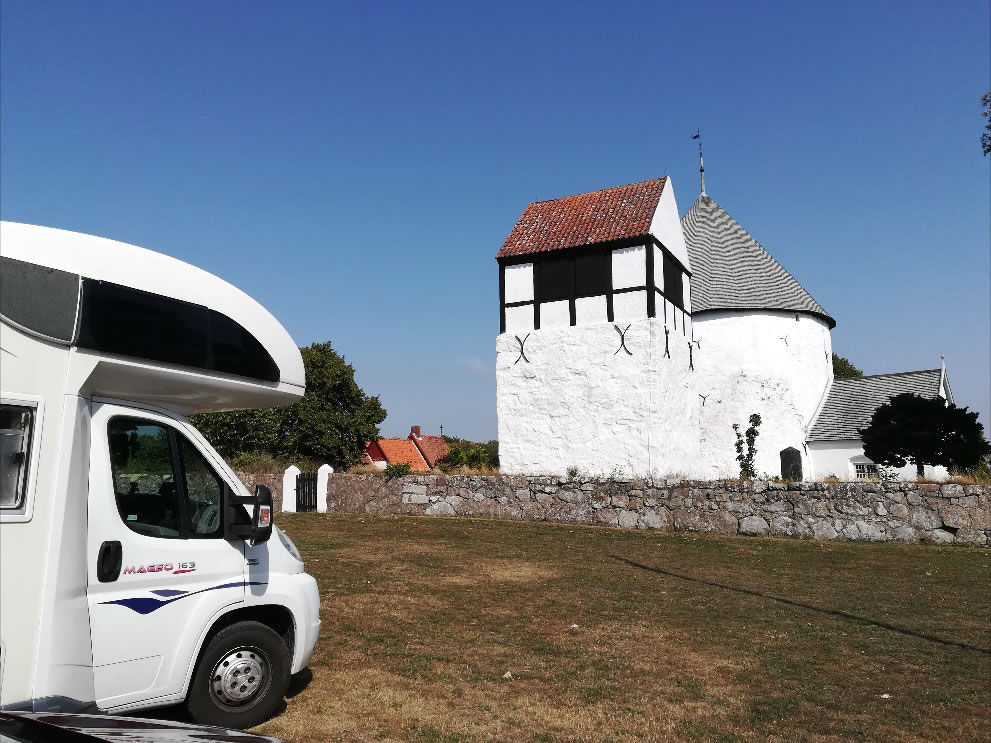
(241, 678)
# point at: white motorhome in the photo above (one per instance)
(135, 568)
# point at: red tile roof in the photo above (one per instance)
(611, 214)
(403, 451)
(433, 448)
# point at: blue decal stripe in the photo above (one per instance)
(167, 592)
(144, 605)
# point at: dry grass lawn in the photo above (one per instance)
(449, 630)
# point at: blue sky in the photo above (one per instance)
(356, 166)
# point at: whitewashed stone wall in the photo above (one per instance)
(906, 512)
(777, 364)
(582, 402)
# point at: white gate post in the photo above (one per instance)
(323, 480)
(289, 489)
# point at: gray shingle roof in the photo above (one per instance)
(732, 271)
(851, 402)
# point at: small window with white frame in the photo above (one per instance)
(16, 425)
(865, 471)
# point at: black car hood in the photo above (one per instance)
(140, 730)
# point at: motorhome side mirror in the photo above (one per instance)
(261, 526)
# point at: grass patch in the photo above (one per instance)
(623, 636)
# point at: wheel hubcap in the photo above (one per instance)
(239, 676)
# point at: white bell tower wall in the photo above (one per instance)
(602, 400)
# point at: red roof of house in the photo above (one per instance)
(403, 451)
(599, 216)
(433, 448)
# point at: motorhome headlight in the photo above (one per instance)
(287, 543)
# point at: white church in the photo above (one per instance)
(632, 340)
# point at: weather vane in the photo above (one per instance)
(698, 136)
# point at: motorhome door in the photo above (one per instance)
(159, 568)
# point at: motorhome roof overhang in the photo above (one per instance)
(144, 325)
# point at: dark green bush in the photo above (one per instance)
(394, 471)
(461, 456)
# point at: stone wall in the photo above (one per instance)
(273, 481)
(906, 512)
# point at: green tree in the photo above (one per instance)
(242, 431)
(332, 421)
(915, 429)
(843, 369)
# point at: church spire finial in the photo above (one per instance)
(698, 136)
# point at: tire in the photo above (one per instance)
(241, 678)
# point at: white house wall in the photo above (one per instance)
(665, 225)
(837, 459)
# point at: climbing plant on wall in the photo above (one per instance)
(746, 460)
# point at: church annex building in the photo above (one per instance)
(632, 340)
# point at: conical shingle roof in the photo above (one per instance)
(732, 271)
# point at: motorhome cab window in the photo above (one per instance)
(144, 477)
(151, 498)
(204, 492)
(15, 441)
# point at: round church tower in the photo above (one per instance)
(767, 343)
